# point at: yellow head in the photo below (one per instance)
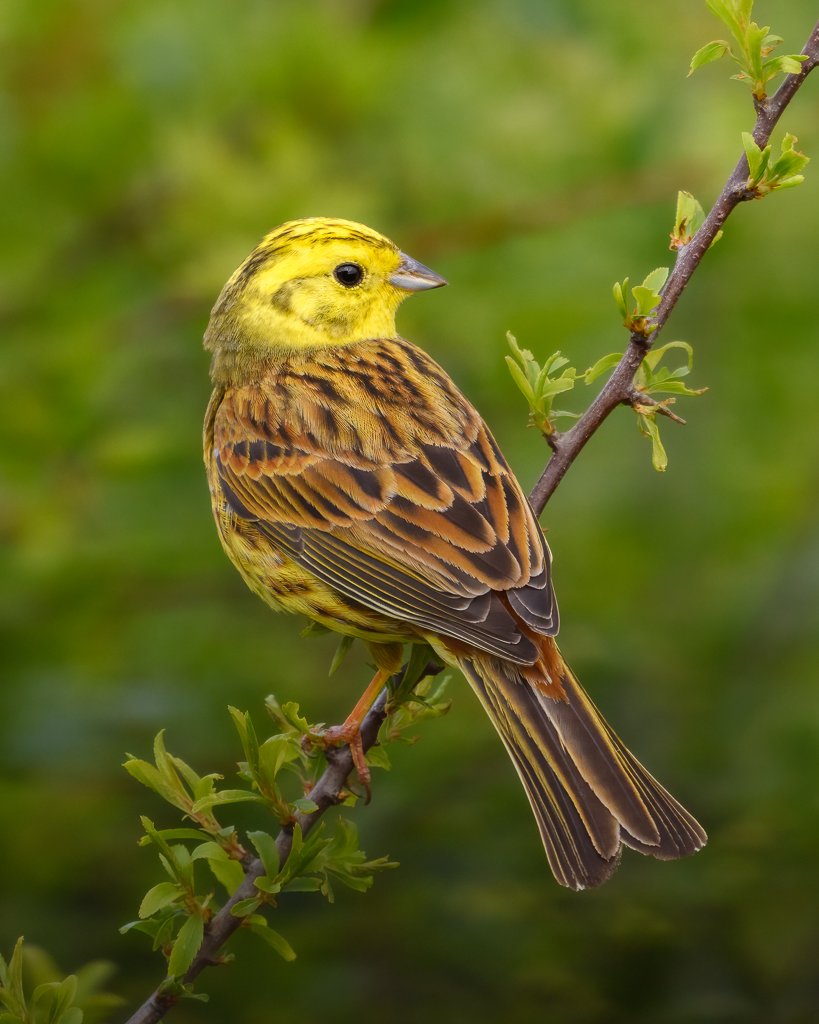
(308, 284)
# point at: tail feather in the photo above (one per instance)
(679, 832)
(589, 794)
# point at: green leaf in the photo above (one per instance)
(267, 885)
(707, 54)
(520, 378)
(167, 769)
(159, 896)
(688, 219)
(305, 805)
(676, 387)
(191, 777)
(304, 851)
(66, 993)
(754, 155)
(654, 378)
(175, 833)
(274, 940)
(377, 756)
(228, 873)
(186, 946)
(160, 928)
(166, 776)
(149, 927)
(225, 796)
(304, 884)
(346, 862)
(209, 851)
(288, 715)
(539, 384)
(791, 182)
(341, 653)
(656, 279)
(53, 1000)
(517, 352)
(11, 975)
(726, 11)
(784, 172)
(245, 907)
(648, 426)
(553, 386)
(655, 356)
(790, 161)
(247, 737)
(274, 753)
(647, 300)
(619, 290)
(267, 850)
(752, 49)
(601, 366)
(554, 363)
(181, 857)
(151, 777)
(792, 63)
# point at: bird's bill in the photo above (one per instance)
(413, 276)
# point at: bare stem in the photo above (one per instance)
(566, 446)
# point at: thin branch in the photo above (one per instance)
(325, 793)
(565, 447)
(618, 389)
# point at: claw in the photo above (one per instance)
(350, 736)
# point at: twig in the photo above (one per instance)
(225, 923)
(566, 447)
(619, 388)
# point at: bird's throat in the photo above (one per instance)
(248, 339)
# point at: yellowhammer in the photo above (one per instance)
(352, 482)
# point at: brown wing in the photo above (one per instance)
(367, 466)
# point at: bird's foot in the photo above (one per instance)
(347, 735)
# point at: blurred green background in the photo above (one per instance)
(531, 153)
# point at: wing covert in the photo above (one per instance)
(432, 529)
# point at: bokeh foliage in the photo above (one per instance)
(531, 152)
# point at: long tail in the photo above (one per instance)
(589, 794)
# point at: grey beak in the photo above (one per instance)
(413, 276)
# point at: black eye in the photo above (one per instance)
(348, 274)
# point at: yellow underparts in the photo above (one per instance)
(286, 586)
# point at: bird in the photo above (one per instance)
(352, 482)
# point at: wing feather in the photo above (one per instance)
(422, 520)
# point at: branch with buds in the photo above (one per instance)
(755, 176)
